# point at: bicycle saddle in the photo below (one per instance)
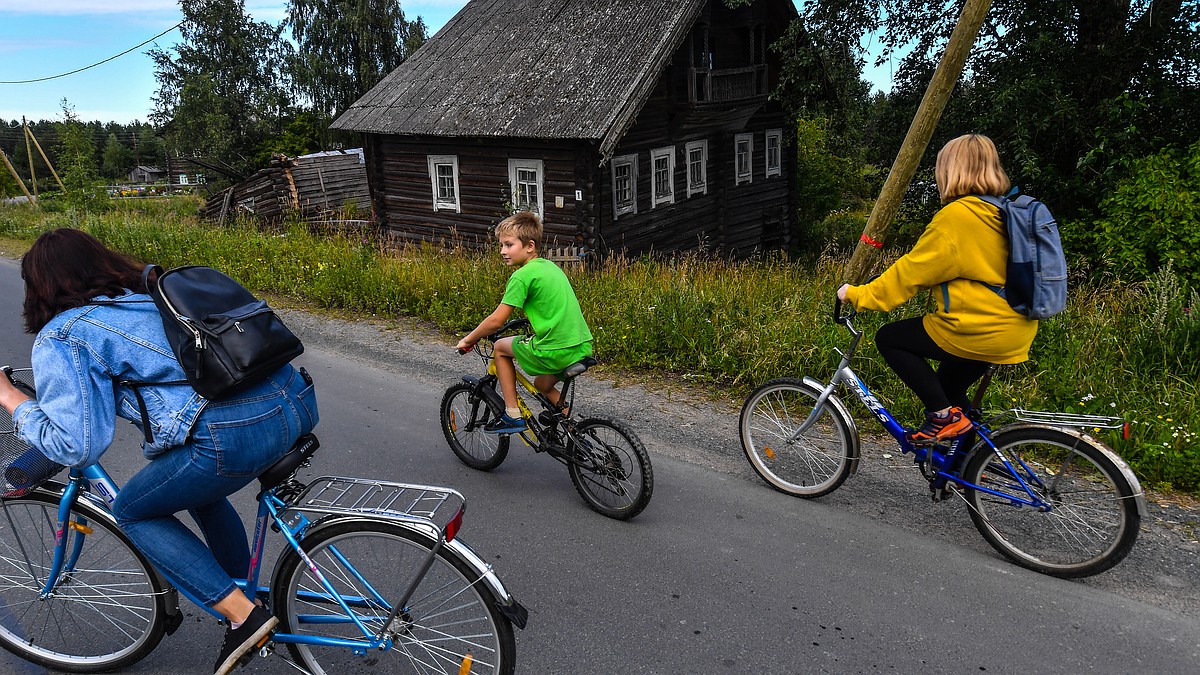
(580, 368)
(285, 466)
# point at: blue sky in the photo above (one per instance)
(48, 37)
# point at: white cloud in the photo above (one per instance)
(72, 7)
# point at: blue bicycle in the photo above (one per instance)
(1041, 491)
(370, 574)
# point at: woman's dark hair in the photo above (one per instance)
(66, 268)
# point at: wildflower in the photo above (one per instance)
(1087, 398)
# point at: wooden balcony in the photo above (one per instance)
(728, 84)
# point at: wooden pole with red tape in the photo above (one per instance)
(916, 140)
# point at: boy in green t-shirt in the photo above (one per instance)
(561, 336)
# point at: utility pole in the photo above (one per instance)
(45, 159)
(29, 151)
(916, 140)
(17, 176)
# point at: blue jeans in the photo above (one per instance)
(232, 442)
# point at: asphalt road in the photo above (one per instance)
(720, 574)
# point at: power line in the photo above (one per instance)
(98, 63)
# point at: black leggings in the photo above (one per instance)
(905, 346)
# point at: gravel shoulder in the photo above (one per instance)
(676, 421)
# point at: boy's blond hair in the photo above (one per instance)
(524, 225)
(969, 165)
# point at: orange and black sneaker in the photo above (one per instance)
(938, 428)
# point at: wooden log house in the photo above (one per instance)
(628, 125)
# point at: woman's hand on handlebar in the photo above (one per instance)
(841, 292)
(10, 396)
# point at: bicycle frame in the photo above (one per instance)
(95, 484)
(943, 466)
(523, 382)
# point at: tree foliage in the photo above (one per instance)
(345, 47)
(77, 163)
(1151, 219)
(223, 88)
(1076, 93)
(118, 158)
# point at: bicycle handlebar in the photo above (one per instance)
(515, 324)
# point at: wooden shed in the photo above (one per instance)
(628, 125)
(312, 186)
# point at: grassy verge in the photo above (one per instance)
(1131, 350)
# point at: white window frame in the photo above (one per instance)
(748, 176)
(667, 153)
(700, 187)
(775, 169)
(183, 179)
(440, 203)
(620, 209)
(536, 165)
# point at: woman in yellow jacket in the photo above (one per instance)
(962, 257)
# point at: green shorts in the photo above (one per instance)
(536, 361)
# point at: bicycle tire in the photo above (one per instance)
(463, 414)
(610, 467)
(106, 615)
(815, 464)
(1093, 521)
(450, 615)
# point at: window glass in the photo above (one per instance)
(773, 156)
(624, 182)
(443, 176)
(697, 165)
(743, 151)
(662, 162)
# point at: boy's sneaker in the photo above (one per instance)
(240, 643)
(505, 425)
(938, 428)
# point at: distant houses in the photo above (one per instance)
(147, 174)
(629, 125)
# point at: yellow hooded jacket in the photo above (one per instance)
(962, 252)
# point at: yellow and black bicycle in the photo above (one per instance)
(606, 460)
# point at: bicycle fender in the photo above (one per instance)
(489, 393)
(508, 605)
(837, 407)
(1139, 494)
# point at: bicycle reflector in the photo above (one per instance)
(1125, 431)
(454, 525)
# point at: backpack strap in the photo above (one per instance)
(136, 386)
(999, 203)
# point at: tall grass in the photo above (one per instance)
(725, 326)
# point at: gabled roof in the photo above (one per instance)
(550, 69)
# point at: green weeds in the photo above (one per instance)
(1130, 350)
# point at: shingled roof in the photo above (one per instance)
(550, 69)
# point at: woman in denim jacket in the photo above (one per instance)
(202, 451)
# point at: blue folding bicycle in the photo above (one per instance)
(370, 574)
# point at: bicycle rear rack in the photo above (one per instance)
(340, 495)
(1061, 419)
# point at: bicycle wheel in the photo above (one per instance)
(610, 467)
(1092, 518)
(451, 618)
(463, 415)
(108, 613)
(813, 465)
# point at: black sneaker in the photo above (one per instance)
(505, 425)
(239, 645)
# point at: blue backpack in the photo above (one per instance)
(1036, 283)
